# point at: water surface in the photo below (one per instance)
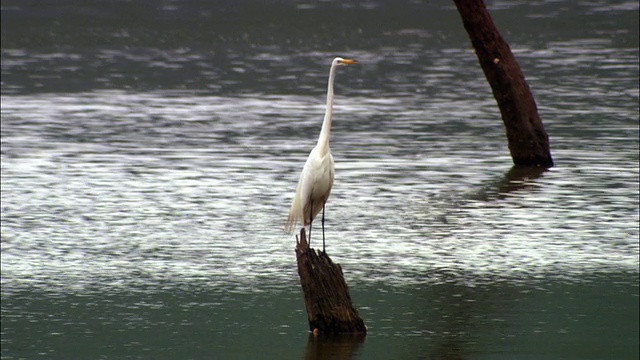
(150, 154)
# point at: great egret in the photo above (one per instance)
(317, 175)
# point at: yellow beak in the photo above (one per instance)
(349, 61)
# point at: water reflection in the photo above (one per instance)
(515, 180)
(333, 346)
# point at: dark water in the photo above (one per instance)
(150, 151)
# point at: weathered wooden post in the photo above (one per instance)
(326, 295)
(528, 141)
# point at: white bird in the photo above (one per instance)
(317, 175)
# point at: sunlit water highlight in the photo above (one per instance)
(126, 186)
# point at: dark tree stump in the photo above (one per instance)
(528, 141)
(326, 295)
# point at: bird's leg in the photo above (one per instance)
(310, 220)
(323, 228)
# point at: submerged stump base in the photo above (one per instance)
(326, 295)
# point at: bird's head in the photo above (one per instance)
(341, 61)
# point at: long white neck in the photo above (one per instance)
(323, 140)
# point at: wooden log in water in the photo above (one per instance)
(528, 141)
(326, 295)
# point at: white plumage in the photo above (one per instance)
(318, 173)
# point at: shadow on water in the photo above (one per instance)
(516, 179)
(336, 346)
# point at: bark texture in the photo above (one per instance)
(527, 139)
(326, 295)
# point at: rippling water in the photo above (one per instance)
(171, 165)
(152, 180)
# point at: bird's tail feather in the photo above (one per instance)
(290, 225)
(292, 219)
